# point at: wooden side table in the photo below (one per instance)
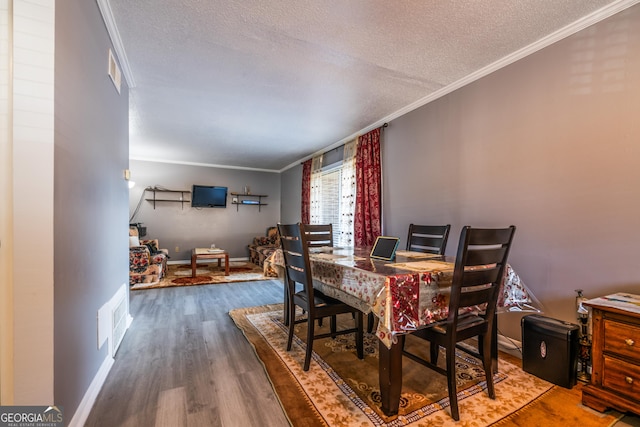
(615, 381)
(204, 253)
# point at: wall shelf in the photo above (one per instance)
(248, 200)
(166, 196)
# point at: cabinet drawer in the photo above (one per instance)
(621, 376)
(622, 339)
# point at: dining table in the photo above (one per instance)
(405, 294)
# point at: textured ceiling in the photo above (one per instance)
(263, 85)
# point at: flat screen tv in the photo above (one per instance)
(206, 196)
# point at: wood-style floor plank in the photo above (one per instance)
(172, 408)
(184, 362)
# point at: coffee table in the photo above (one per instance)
(206, 253)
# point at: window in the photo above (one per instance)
(329, 210)
(333, 192)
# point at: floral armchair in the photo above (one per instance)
(147, 263)
(263, 246)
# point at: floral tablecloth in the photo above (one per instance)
(399, 294)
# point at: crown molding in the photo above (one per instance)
(114, 35)
(206, 165)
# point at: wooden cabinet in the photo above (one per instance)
(615, 381)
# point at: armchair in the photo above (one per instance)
(263, 246)
(147, 263)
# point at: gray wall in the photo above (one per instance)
(90, 207)
(184, 227)
(549, 144)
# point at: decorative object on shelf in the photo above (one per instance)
(166, 196)
(247, 199)
(247, 190)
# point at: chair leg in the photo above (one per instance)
(451, 382)
(487, 362)
(370, 322)
(360, 335)
(286, 306)
(434, 351)
(310, 335)
(333, 326)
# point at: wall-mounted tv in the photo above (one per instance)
(206, 196)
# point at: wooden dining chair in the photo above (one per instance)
(314, 303)
(428, 238)
(318, 235)
(478, 273)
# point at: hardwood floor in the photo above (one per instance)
(184, 362)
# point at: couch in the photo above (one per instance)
(262, 247)
(147, 262)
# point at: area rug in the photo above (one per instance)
(180, 275)
(341, 390)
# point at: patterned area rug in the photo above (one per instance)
(341, 390)
(206, 274)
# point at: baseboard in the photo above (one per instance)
(84, 409)
(510, 346)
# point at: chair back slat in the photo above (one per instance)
(477, 297)
(485, 256)
(319, 234)
(488, 236)
(296, 269)
(428, 238)
(480, 277)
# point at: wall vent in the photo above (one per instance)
(114, 320)
(119, 322)
(114, 71)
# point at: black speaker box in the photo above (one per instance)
(550, 349)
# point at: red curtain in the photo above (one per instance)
(367, 224)
(305, 216)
